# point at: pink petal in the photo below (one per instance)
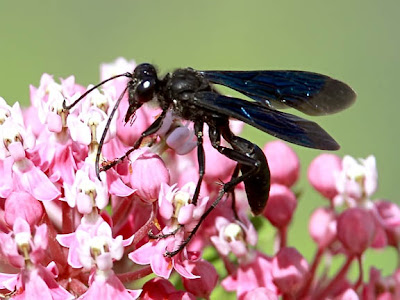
(16, 150)
(186, 214)
(161, 265)
(54, 123)
(116, 185)
(35, 182)
(84, 203)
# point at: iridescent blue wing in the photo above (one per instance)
(311, 93)
(282, 125)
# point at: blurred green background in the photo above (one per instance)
(354, 41)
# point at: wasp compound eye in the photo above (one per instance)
(145, 90)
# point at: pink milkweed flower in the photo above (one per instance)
(15, 140)
(86, 194)
(99, 248)
(153, 253)
(388, 216)
(203, 286)
(235, 237)
(35, 282)
(46, 97)
(290, 271)
(356, 229)
(7, 111)
(176, 208)
(92, 244)
(49, 103)
(357, 181)
(106, 285)
(55, 115)
(283, 163)
(23, 246)
(148, 172)
(280, 206)
(89, 125)
(251, 275)
(322, 174)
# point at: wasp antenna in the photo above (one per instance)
(103, 136)
(68, 107)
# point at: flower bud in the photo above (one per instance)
(322, 226)
(289, 271)
(280, 206)
(321, 174)
(23, 205)
(283, 163)
(356, 230)
(203, 286)
(148, 173)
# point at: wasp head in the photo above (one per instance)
(142, 88)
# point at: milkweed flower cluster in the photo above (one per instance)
(65, 233)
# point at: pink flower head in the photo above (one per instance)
(22, 245)
(356, 229)
(280, 206)
(289, 271)
(322, 226)
(357, 181)
(148, 173)
(203, 286)
(283, 163)
(235, 237)
(322, 174)
(20, 204)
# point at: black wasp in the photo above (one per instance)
(191, 95)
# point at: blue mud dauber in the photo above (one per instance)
(192, 95)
